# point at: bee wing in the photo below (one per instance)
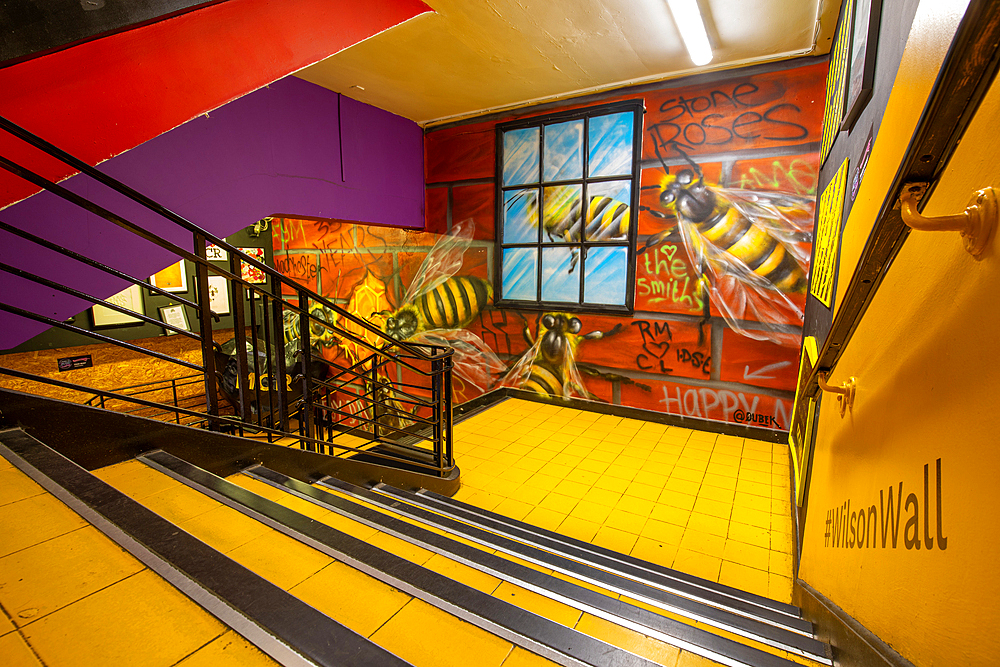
(473, 360)
(787, 217)
(572, 382)
(519, 372)
(737, 292)
(443, 261)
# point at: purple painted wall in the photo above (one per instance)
(274, 151)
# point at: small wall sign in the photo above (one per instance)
(72, 363)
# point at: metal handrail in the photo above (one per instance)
(309, 406)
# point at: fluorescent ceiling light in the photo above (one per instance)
(692, 29)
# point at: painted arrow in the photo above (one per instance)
(759, 374)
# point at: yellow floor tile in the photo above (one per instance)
(668, 514)
(401, 548)
(704, 543)
(537, 604)
(708, 524)
(577, 528)
(224, 528)
(229, 650)
(687, 659)
(522, 658)
(558, 502)
(746, 554)
(646, 492)
(635, 505)
(716, 493)
(337, 589)
(662, 531)
(136, 478)
(15, 652)
(628, 522)
(178, 503)
(515, 509)
(572, 489)
(682, 485)
(758, 537)
(674, 498)
(697, 564)
(614, 539)
(602, 497)
(48, 576)
(589, 511)
(629, 640)
(6, 625)
(714, 508)
(745, 578)
(15, 485)
(654, 551)
(465, 574)
(34, 520)
(545, 518)
(280, 559)
(779, 563)
(153, 624)
(426, 636)
(779, 588)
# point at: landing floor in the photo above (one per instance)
(714, 506)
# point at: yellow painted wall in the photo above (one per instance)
(927, 359)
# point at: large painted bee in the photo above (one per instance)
(607, 218)
(549, 366)
(438, 306)
(744, 243)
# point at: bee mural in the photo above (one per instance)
(607, 217)
(745, 244)
(438, 306)
(549, 366)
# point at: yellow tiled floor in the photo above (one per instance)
(714, 506)
(70, 596)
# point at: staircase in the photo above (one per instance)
(331, 573)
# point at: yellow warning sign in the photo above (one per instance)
(831, 208)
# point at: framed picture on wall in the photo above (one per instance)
(218, 295)
(861, 63)
(171, 279)
(130, 299)
(175, 316)
(252, 274)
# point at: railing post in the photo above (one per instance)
(305, 335)
(240, 335)
(376, 398)
(278, 325)
(207, 342)
(173, 385)
(446, 413)
(437, 396)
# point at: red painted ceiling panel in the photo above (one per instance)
(103, 97)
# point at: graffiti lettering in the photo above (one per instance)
(685, 127)
(799, 177)
(707, 403)
(696, 359)
(656, 339)
(298, 267)
(671, 281)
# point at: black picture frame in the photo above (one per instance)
(866, 18)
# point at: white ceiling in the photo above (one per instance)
(472, 57)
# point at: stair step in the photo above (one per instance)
(669, 628)
(588, 552)
(168, 605)
(750, 629)
(479, 612)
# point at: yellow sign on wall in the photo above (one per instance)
(836, 78)
(831, 208)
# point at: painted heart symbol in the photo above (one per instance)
(659, 350)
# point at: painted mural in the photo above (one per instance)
(728, 174)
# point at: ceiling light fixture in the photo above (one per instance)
(687, 16)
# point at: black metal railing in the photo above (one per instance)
(393, 402)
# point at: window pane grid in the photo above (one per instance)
(580, 241)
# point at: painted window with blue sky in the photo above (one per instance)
(568, 184)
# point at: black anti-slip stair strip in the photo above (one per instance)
(712, 593)
(534, 633)
(279, 624)
(745, 626)
(676, 633)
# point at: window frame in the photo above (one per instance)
(637, 107)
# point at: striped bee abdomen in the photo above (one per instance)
(455, 302)
(609, 219)
(543, 381)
